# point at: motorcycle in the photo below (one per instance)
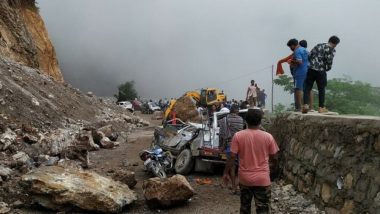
(157, 161)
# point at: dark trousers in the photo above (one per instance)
(260, 194)
(320, 77)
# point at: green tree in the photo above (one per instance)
(286, 82)
(126, 91)
(279, 108)
(352, 97)
(344, 95)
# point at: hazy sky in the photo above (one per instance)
(170, 46)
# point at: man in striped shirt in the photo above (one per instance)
(229, 125)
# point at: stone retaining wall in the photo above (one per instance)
(335, 160)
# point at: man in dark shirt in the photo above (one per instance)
(320, 61)
(229, 125)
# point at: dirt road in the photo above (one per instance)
(209, 199)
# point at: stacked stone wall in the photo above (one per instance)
(335, 160)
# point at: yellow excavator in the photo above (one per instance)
(205, 98)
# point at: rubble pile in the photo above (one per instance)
(166, 193)
(44, 123)
(58, 188)
(285, 199)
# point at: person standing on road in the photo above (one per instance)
(252, 94)
(229, 125)
(255, 149)
(300, 61)
(320, 61)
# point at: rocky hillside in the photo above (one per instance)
(43, 122)
(24, 38)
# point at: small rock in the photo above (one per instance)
(114, 136)
(106, 130)
(35, 102)
(5, 172)
(52, 161)
(17, 78)
(7, 138)
(21, 157)
(50, 96)
(106, 143)
(125, 163)
(17, 204)
(90, 94)
(145, 123)
(127, 118)
(30, 139)
(126, 177)
(4, 208)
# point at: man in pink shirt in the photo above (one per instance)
(255, 148)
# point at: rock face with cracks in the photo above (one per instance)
(24, 38)
(55, 187)
(168, 192)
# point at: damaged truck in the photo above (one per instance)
(194, 146)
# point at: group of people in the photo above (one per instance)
(251, 149)
(307, 68)
(255, 96)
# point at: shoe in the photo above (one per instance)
(305, 109)
(322, 110)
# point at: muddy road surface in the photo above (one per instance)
(210, 198)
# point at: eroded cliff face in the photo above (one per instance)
(24, 38)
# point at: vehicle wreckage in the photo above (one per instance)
(193, 145)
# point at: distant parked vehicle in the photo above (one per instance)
(153, 107)
(126, 105)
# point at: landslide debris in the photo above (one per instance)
(45, 123)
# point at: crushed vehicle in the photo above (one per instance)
(193, 145)
(206, 98)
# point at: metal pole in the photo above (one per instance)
(272, 85)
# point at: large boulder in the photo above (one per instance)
(168, 192)
(56, 188)
(187, 110)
